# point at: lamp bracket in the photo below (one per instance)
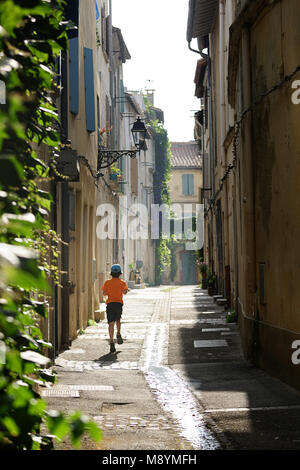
(107, 157)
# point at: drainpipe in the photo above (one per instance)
(221, 79)
(249, 195)
(210, 124)
(235, 219)
(64, 211)
(223, 127)
(113, 104)
(65, 264)
(111, 75)
(211, 154)
(55, 288)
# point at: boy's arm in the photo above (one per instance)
(125, 289)
(104, 289)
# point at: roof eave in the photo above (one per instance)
(201, 18)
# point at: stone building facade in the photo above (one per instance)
(185, 190)
(246, 78)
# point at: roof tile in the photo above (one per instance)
(185, 154)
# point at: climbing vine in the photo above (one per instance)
(32, 34)
(161, 179)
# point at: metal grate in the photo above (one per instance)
(99, 388)
(60, 393)
(214, 343)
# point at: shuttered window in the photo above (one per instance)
(74, 75)
(134, 175)
(206, 177)
(122, 96)
(187, 185)
(89, 90)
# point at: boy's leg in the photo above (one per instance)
(118, 322)
(111, 336)
(111, 326)
(119, 337)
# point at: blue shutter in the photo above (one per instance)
(122, 96)
(190, 184)
(89, 90)
(184, 185)
(74, 75)
(97, 11)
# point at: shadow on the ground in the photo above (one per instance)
(223, 378)
(110, 358)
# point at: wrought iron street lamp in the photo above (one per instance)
(139, 132)
(107, 157)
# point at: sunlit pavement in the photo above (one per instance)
(177, 382)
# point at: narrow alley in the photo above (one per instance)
(149, 168)
(178, 381)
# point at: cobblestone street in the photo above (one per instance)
(178, 382)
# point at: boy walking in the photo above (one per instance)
(114, 289)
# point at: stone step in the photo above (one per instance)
(216, 297)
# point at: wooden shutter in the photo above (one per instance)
(97, 11)
(89, 90)
(134, 175)
(122, 96)
(185, 186)
(190, 184)
(206, 178)
(74, 75)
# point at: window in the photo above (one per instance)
(84, 247)
(89, 90)
(103, 28)
(188, 185)
(122, 96)
(74, 75)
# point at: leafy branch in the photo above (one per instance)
(32, 34)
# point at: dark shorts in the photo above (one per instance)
(114, 311)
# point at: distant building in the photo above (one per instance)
(138, 252)
(185, 189)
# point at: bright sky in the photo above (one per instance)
(155, 34)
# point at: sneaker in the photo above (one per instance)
(112, 348)
(119, 339)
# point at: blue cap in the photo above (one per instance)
(116, 268)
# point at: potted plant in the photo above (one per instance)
(211, 283)
(231, 316)
(103, 135)
(203, 269)
(131, 274)
(114, 173)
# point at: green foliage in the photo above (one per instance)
(161, 179)
(231, 316)
(163, 155)
(211, 279)
(32, 33)
(174, 266)
(163, 257)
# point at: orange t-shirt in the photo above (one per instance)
(114, 290)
